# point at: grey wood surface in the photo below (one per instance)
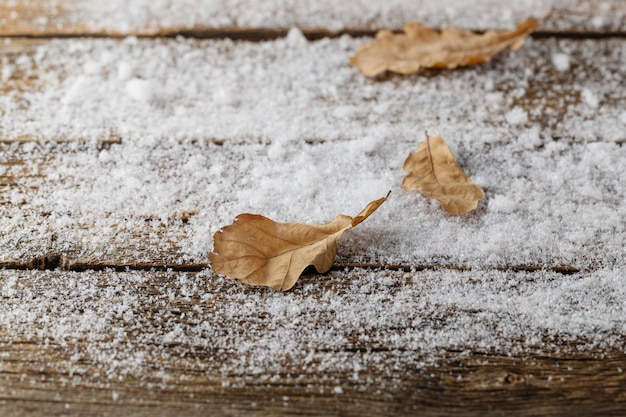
(147, 353)
(131, 366)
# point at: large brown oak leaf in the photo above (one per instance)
(259, 251)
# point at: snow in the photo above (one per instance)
(138, 89)
(561, 61)
(7, 71)
(302, 136)
(516, 116)
(124, 71)
(122, 16)
(502, 204)
(281, 91)
(154, 16)
(383, 322)
(597, 22)
(307, 137)
(102, 203)
(589, 98)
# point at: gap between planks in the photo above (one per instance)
(65, 263)
(118, 140)
(268, 34)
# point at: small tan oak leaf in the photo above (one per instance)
(259, 251)
(434, 172)
(420, 46)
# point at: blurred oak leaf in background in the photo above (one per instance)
(422, 47)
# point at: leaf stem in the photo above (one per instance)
(430, 158)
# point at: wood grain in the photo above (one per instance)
(477, 385)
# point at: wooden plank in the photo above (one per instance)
(167, 343)
(580, 98)
(68, 213)
(50, 18)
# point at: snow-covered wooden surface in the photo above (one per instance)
(251, 19)
(120, 157)
(156, 343)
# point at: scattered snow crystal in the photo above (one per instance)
(295, 37)
(516, 116)
(139, 89)
(123, 16)
(502, 204)
(91, 67)
(597, 22)
(7, 71)
(124, 70)
(589, 98)
(561, 61)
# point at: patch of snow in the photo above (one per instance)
(502, 204)
(8, 288)
(123, 200)
(272, 90)
(150, 15)
(91, 67)
(119, 323)
(295, 38)
(7, 70)
(495, 99)
(598, 21)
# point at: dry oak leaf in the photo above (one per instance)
(420, 46)
(434, 172)
(259, 251)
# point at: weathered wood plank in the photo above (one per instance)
(317, 19)
(164, 343)
(103, 89)
(488, 386)
(74, 215)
